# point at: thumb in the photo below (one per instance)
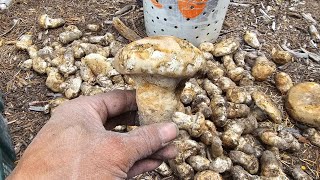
(147, 140)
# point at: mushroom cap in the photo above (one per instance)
(160, 55)
(303, 103)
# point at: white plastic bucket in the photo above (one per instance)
(4, 4)
(194, 20)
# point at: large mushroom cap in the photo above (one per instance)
(160, 55)
(303, 103)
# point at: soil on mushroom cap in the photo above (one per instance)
(20, 87)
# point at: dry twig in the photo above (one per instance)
(124, 30)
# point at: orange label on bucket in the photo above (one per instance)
(156, 3)
(192, 8)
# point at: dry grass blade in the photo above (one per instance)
(15, 22)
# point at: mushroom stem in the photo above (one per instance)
(156, 104)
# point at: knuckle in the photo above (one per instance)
(148, 139)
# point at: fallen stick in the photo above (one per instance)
(240, 4)
(312, 55)
(124, 30)
(294, 53)
(123, 10)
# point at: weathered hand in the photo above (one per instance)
(75, 144)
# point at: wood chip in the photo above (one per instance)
(124, 30)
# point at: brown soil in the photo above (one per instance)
(20, 88)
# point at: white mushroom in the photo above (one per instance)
(71, 87)
(49, 23)
(72, 33)
(251, 39)
(225, 47)
(54, 79)
(24, 42)
(157, 65)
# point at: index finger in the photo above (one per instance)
(111, 104)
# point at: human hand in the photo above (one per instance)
(75, 144)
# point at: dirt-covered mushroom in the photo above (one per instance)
(303, 103)
(251, 39)
(247, 80)
(214, 70)
(89, 48)
(235, 73)
(250, 145)
(26, 65)
(313, 136)
(239, 58)
(282, 140)
(225, 83)
(94, 27)
(163, 169)
(237, 110)
(67, 66)
(281, 57)
(210, 130)
(39, 65)
(86, 74)
(216, 147)
(299, 174)
(208, 56)
(115, 47)
(271, 167)
(219, 110)
(207, 175)
(33, 51)
(54, 79)
(235, 128)
(198, 163)
(186, 148)
(157, 65)
(190, 91)
(238, 95)
(49, 23)
(71, 33)
(263, 68)
(98, 64)
(71, 87)
(225, 47)
(211, 89)
(89, 90)
(238, 173)
(221, 164)
(265, 103)
(249, 162)
(194, 124)
(206, 46)
(53, 104)
(203, 108)
(183, 170)
(283, 82)
(24, 42)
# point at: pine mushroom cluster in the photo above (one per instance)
(226, 122)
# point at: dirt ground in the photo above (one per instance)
(20, 88)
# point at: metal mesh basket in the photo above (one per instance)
(7, 155)
(193, 20)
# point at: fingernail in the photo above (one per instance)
(168, 132)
